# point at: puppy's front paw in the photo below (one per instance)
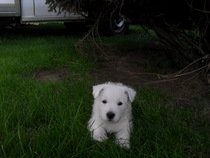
(99, 138)
(99, 135)
(123, 143)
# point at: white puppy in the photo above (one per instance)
(112, 112)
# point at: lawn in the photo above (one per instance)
(49, 119)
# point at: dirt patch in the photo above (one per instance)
(143, 68)
(51, 75)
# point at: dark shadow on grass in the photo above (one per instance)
(48, 29)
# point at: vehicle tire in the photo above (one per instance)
(113, 24)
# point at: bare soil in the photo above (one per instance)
(51, 75)
(142, 68)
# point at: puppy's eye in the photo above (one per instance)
(119, 103)
(104, 101)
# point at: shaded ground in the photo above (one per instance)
(144, 67)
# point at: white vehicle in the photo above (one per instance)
(30, 11)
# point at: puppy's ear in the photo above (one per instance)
(97, 90)
(131, 93)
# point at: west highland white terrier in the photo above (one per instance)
(112, 112)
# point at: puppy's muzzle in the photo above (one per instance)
(110, 115)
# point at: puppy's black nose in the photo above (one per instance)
(110, 115)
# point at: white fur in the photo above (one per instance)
(107, 99)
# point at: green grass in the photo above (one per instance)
(39, 119)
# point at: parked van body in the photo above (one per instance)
(33, 11)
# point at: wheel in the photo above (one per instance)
(113, 24)
(118, 24)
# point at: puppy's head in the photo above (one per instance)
(112, 100)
